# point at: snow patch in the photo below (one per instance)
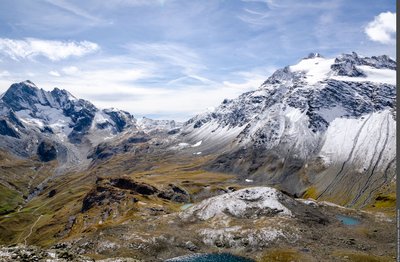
(238, 203)
(375, 75)
(47, 116)
(329, 114)
(197, 144)
(316, 69)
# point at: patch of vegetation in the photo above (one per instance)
(385, 200)
(360, 257)
(382, 201)
(311, 192)
(9, 200)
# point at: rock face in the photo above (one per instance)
(174, 193)
(309, 124)
(7, 130)
(46, 151)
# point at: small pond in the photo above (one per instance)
(348, 221)
(186, 206)
(224, 257)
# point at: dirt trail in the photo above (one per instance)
(31, 230)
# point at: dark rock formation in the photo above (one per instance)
(175, 193)
(7, 130)
(46, 151)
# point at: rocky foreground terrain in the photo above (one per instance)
(259, 222)
(300, 169)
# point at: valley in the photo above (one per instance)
(272, 175)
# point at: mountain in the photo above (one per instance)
(323, 127)
(55, 124)
(304, 160)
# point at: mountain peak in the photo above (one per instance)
(313, 55)
(22, 95)
(314, 69)
(26, 86)
(29, 83)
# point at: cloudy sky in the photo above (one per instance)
(171, 59)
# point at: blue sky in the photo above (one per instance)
(172, 59)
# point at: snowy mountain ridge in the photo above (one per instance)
(60, 113)
(32, 118)
(320, 116)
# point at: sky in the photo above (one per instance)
(173, 59)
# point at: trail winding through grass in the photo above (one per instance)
(31, 230)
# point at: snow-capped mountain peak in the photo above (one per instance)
(29, 115)
(299, 113)
(346, 67)
(313, 55)
(314, 68)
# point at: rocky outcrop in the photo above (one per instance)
(7, 130)
(46, 151)
(105, 193)
(116, 190)
(175, 193)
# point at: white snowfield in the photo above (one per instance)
(318, 69)
(386, 76)
(364, 140)
(238, 203)
(47, 116)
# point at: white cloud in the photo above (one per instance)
(54, 73)
(70, 70)
(383, 28)
(53, 50)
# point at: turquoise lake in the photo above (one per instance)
(348, 221)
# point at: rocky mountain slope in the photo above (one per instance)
(323, 125)
(55, 125)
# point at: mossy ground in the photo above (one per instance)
(355, 256)
(285, 255)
